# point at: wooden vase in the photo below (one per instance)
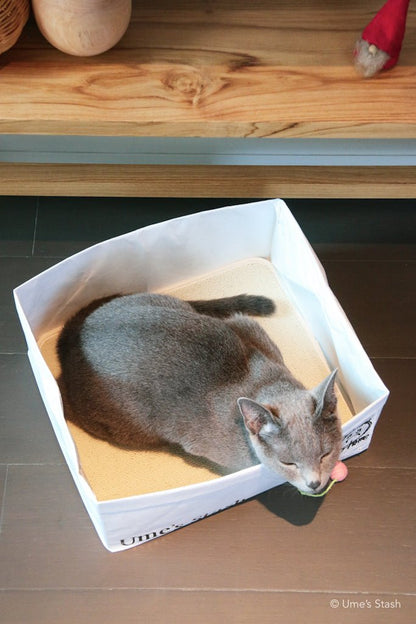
(82, 27)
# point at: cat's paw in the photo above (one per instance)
(369, 59)
(259, 305)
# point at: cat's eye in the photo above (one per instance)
(288, 463)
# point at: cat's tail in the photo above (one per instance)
(253, 305)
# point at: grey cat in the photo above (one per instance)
(150, 369)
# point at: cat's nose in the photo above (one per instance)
(313, 485)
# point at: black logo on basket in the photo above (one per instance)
(140, 539)
(357, 435)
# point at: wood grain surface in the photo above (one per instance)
(269, 68)
(205, 181)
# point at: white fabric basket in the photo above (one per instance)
(154, 258)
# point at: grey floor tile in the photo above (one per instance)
(202, 607)
(379, 299)
(279, 553)
(68, 225)
(17, 229)
(26, 435)
(353, 252)
(3, 478)
(356, 221)
(48, 542)
(393, 442)
(13, 272)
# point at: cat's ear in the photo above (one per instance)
(255, 415)
(326, 399)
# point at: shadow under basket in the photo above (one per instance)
(135, 496)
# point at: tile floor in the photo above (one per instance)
(275, 558)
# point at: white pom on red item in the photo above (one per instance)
(381, 41)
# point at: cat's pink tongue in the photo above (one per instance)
(339, 472)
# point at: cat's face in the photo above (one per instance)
(298, 436)
(304, 451)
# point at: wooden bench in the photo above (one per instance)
(217, 77)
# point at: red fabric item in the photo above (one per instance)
(386, 29)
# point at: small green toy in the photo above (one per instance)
(339, 473)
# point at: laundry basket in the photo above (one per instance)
(13, 16)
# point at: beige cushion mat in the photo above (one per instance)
(115, 473)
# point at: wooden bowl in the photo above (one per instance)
(82, 27)
(13, 16)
